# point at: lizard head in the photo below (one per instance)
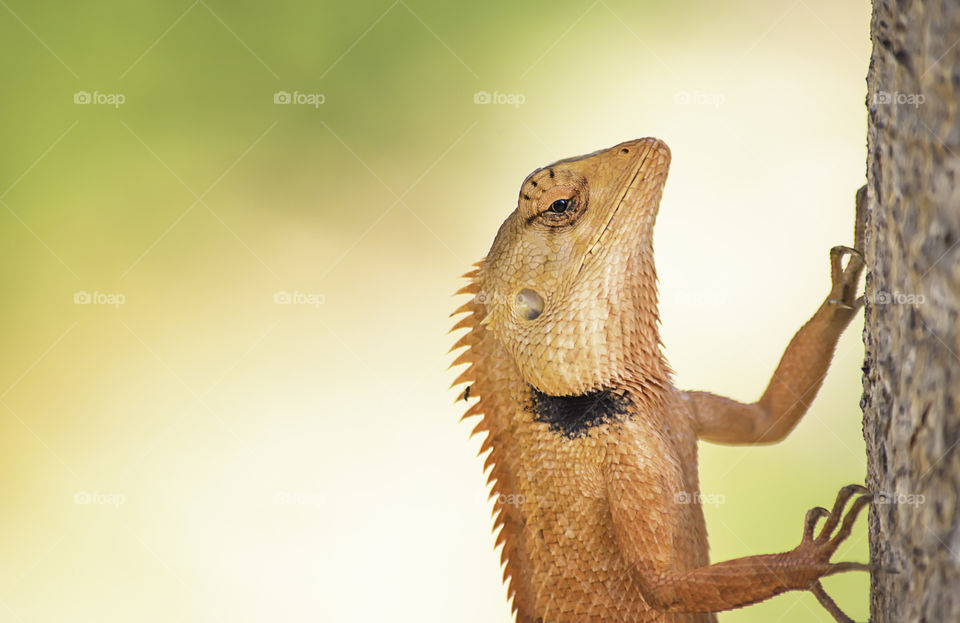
(569, 284)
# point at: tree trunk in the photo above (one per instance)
(911, 384)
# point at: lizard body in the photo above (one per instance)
(592, 450)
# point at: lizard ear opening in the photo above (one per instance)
(528, 304)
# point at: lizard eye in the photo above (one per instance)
(561, 206)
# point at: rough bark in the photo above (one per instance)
(912, 369)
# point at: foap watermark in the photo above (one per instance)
(312, 299)
(900, 499)
(86, 498)
(898, 298)
(503, 99)
(699, 98)
(104, 99)
(509, 499)
(500, 499)
(82, 297)
(298, 98)
(901, 99)
(708, 499)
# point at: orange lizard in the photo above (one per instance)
(592, 450)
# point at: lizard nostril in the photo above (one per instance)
(528, 304)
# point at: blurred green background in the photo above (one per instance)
(223, 390)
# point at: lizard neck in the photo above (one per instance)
(637, 320)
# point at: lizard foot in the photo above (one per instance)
(844, 279)
(843, 292)
(816, 551)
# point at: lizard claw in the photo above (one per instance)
(810, 522)
(843, 293)
(844, 279)
(858, 505)
(821, 547)
(842, 498)
(829, 604)
(815, 551)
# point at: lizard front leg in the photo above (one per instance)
(802, 368)
(744, 581)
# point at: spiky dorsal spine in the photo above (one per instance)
(494, 384)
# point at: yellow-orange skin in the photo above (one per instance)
(607, 526)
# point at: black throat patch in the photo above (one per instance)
(574, 416)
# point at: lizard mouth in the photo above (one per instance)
(639, 167)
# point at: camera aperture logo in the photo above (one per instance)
(104, 99)
(498, 98)
(86, 498)
(311, 299)
(115, 299)
(301, 99)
